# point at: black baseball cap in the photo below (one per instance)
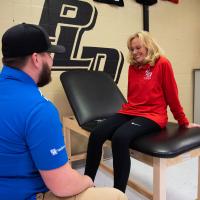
(25, 39)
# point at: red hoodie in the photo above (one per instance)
(151, 90)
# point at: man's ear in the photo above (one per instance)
(36, 60)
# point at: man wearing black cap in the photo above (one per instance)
(33, 158)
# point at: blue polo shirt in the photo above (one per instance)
(31, 136)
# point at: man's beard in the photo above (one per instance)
(45, 75)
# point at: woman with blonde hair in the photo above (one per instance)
(151, 88)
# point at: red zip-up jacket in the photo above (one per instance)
(151, 90)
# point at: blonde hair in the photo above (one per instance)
(153, 49)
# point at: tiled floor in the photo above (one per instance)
(181, 180)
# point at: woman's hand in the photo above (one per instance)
(193, 125)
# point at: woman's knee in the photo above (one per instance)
(97, 137)
(119, 139)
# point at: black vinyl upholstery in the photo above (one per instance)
(168, 142)
(94, 96)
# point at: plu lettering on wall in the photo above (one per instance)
(66, 21)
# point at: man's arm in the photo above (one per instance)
(65, 181)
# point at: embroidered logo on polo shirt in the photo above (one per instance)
(148, 74)
(55, 151)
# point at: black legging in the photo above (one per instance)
(121, 130)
